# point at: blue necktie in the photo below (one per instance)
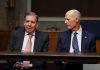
(75, 43)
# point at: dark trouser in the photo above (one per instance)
(69, 66)
(73, 66)
(26, 69)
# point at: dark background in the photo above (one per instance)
(57, 8)
(54, 8)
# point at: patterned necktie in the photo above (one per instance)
(75, 43)
(29, 44)
(28, 49)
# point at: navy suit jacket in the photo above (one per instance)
(88, 43)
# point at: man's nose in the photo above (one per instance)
(29, 23)
(66, 21)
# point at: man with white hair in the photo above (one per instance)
(75, 39)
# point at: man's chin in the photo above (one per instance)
(29, 31)
(69, 28)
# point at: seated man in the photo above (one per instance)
(28, 39)
(75, 39)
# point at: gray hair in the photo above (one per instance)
(32, 14)
(74, 13)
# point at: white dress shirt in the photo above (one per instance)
(79, 38)
(26, 37)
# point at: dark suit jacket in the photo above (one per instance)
(88, 43)
(17, 36)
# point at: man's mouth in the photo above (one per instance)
(29, 28)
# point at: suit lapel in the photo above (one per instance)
(84, 41)
(21, 38)
(37, 39)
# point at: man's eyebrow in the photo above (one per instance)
(67, 18)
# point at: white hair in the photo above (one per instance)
(74, 13)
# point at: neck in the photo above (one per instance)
(76, 28)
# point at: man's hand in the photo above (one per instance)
(24, 64)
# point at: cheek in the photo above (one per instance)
(34, 26)
(25, 25)
(71, 25)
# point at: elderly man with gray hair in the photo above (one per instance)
(75, 39)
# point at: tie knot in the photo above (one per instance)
(30, 35)
(75, 33)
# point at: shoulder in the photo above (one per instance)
(68, 32)
(88, 33)
(18, 29)
(42, 34)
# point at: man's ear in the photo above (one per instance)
(77, 20)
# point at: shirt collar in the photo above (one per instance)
(27, 33)
(78, 31)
